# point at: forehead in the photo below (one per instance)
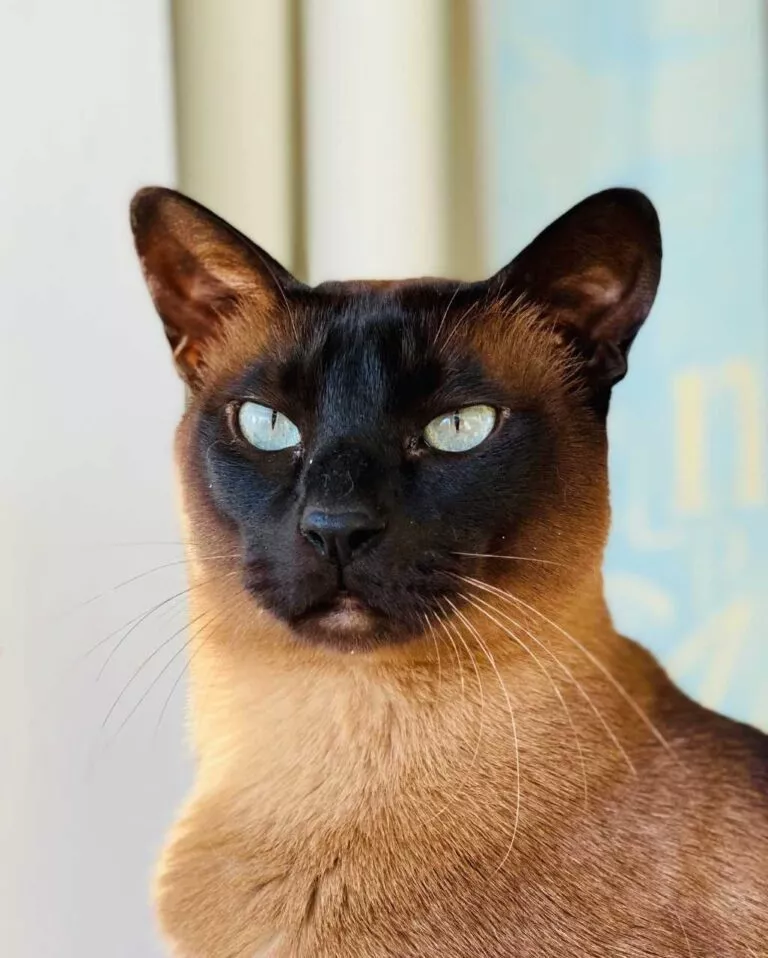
(373, 343)
(387, 344)
(381, 346)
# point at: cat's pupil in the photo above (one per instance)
(456, 421)
(274, 418)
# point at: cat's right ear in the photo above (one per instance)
(199, 271)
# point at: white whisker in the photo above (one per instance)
(456, 327)
(141, 575)
(493, 555)
(642, 715)
(459, 664)
(493, 590)
(555, 688)
(437, 653)
(447, 310)
(167, 665)
(146, 662)
(150, 612)
(486, 651)
(445, 623)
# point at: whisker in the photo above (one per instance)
(493, 555)
(135, 619)
(444, 622)
(493, 590)
(206, 625)
(184, 670)
(157, 678)
(142, 618)
(447, 626)
(177, 681)
(456, 326)
(639, 711)
(110, 635)
(437, 652)
(96, 749)
(146, 662)
(146, 572)
(459, 663)
(478, 604)
(487, 652)
(445, 314)
(156, 608)
(176, 543)
(280, 290)
(61, 679)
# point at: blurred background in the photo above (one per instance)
(351, 138)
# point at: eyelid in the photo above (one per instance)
(235, 402)
(446, 409)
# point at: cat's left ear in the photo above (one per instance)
(595, 270)
(199, 271)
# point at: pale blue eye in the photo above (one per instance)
(267, 428)
(462, 429)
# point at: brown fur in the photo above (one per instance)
(520, 780)
(350, 806)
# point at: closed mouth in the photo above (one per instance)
(345, 612)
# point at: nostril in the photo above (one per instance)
(316, 539)
(340, 535)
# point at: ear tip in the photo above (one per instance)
(631, 211)
(632, 200)
(637, 199)
(143, 204)
(146, 203)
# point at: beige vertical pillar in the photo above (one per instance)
(375, 137)
(235, 114)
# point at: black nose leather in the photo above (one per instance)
(340, 535)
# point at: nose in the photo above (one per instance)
(339, 536)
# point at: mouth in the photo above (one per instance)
(345, 622)
(345, 612)
(361, 616)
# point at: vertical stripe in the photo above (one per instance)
(375, 137)
(234, 78)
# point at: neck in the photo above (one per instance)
(268, 709)
(487, 744)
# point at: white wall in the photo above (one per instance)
(88, 402)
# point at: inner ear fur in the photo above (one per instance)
(199, 270)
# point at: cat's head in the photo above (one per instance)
(366, 460)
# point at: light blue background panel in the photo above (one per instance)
(668, 96)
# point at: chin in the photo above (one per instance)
(348, 624)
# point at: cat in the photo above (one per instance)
(417, 732)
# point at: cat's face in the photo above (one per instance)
(354, 454)
(353, 531)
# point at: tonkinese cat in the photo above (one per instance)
(417, 732)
